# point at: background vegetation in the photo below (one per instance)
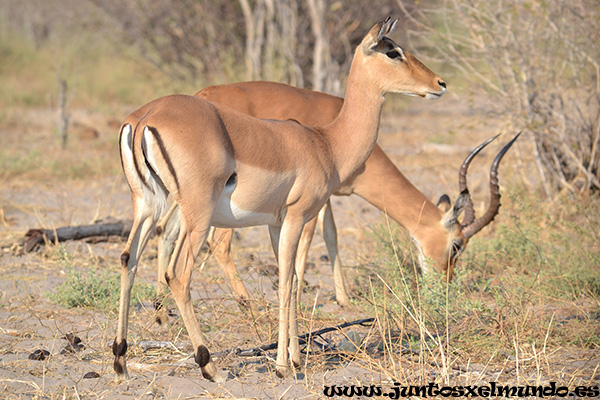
(537, 60)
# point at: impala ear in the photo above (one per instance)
(377, 33)
(444, 203)
(451, 216)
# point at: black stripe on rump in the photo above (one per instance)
(165, 155)
(138, 170)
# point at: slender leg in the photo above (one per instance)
(303, 246)
(330, 236)
(289, 236)
(220, 245)
(168, 231)
(178, 277)
(294, 341)
(143, 223)
(294, 345)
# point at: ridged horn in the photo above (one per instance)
(494, 206)
(462, 181)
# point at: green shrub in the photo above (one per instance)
(534, 278)
(552, 248)
(94, 289)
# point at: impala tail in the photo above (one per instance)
(139, 161)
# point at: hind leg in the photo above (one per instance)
(220, 245)
(178, 277)
(143, 223)
(331, 241)
(168, 232)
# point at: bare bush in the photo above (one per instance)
(307, 43)
(208, 42)
(540, 62)
(184, 39)
(40, 21)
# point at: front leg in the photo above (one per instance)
(274, 234)
(294, 340)
(287, 238)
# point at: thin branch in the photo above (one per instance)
(304, 339)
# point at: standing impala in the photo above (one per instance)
(435, 229)
(228, 169)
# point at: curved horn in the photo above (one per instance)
(494, 206)
(462, 181)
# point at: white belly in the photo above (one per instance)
(229, 215)
(253, 197)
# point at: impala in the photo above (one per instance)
(227, 169)
(436, 231)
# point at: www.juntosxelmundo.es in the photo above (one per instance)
(398, 391)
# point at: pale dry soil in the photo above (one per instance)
(426, 139)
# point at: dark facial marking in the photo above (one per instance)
(457, 248)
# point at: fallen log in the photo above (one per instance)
(35, 238)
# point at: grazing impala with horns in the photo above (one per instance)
(228, 169)
(435, 229)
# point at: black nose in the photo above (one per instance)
(442, 84)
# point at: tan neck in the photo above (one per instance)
(384, 186)
(353, 134)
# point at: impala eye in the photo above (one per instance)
(392, 54)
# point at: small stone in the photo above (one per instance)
(91, 375)
(39, 355)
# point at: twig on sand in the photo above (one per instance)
(304, 339)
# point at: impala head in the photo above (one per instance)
(444, 255)
(396, 70)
